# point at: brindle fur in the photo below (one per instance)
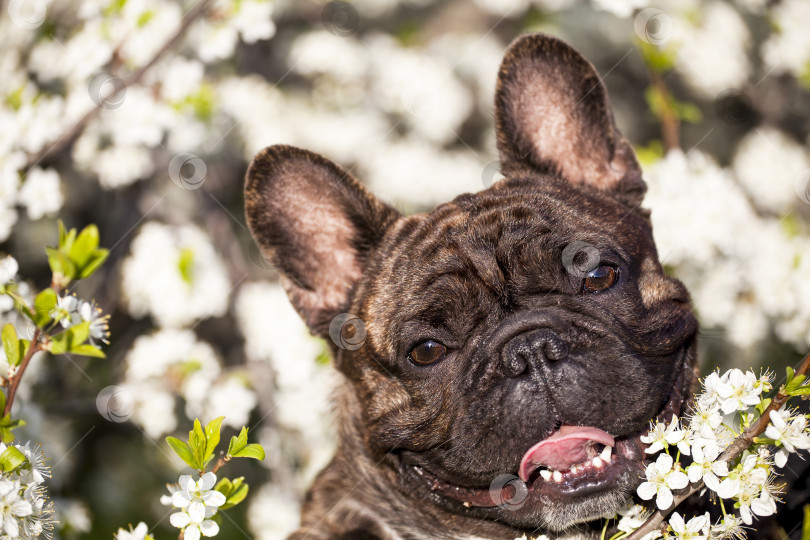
(478, 263)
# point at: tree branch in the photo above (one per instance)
(14, 381)
(134, 78)
(734, 450)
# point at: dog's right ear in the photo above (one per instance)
(316, 224)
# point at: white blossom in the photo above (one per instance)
(662, 436)
(8, 269)
(704, 467)
(697, 528)
(175, 275)
(41, 193)
(737, 391)
(788, 432)
(661, 479)
(139, 532)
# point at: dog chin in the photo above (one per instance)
(569, 519)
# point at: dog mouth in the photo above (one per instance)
(572, 463)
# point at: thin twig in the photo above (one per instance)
(670, 123)
(223, 459)
(130, 80)
(734, 450)
(14, 381)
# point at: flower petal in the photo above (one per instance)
(192, 532)
(197, 511)
(647, 490)
(180, 499)
(677, 480)
(179, 519)
(208, 481)
(213, 498)
(664, 463)
(209, 528)
(676, 522)
(664, 499)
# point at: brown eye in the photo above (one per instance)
(600, 278)
(427, 353)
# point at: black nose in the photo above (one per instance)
(532, 348)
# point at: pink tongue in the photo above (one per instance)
(564, 448)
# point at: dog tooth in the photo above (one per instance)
(557, 476)
(466, 503)
(597, 462)
(605, 455)
(546, 474)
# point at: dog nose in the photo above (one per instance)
(531, 348)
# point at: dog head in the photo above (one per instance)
(507, 349)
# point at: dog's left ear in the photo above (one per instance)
(553, 112)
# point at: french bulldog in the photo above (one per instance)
(502, 354)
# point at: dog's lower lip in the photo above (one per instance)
(569, 487)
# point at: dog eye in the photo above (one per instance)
(427, 352)
(600, 278)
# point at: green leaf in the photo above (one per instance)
(794, 383)
(11, 345)
(801, 391)
(224, 486)
(11, 459)
(196, 440)
(237, 495)
(789, 374)
(806, 523)
(70, 339)
(2, 401)
(88, 350)
(234, 491)
(212, 436)
(84, 246)
(93, 263)
(658, 59)
(254, 451)
(238, 443)
(183, 450)
(762, 405)
(6, 427)
(44, 304)
(60, 265)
